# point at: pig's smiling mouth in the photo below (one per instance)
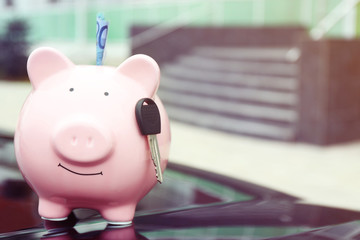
(82, 174)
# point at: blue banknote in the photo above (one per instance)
(101, 35)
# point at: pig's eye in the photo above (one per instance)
(106, 93)
(71, 89)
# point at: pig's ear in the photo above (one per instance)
(44, 62)
(143, 69)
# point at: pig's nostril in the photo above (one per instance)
(90, 142)
(74, 141)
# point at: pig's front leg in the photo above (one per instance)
(53, 211)
(119, 215)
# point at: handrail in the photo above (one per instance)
(333, 17)
(184, 19)
(166, 27)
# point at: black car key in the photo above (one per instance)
(148, 119)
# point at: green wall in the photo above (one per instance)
(61, 24)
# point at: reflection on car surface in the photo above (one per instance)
(191, 204)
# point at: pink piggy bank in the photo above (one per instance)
(78, 143)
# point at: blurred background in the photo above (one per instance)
(262, 90)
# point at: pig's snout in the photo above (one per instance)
(82, 141)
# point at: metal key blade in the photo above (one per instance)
(155, 156)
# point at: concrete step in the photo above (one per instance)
(237, 66)
(231, 125)
(228, 92)
(181, 73)
(218, 106)
(280, 54)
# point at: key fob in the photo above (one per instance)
(148, 116)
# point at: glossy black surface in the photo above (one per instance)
(190, 204)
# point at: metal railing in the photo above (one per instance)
(189, 16)
(168, 26)
(332, 18)
(318, 31)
